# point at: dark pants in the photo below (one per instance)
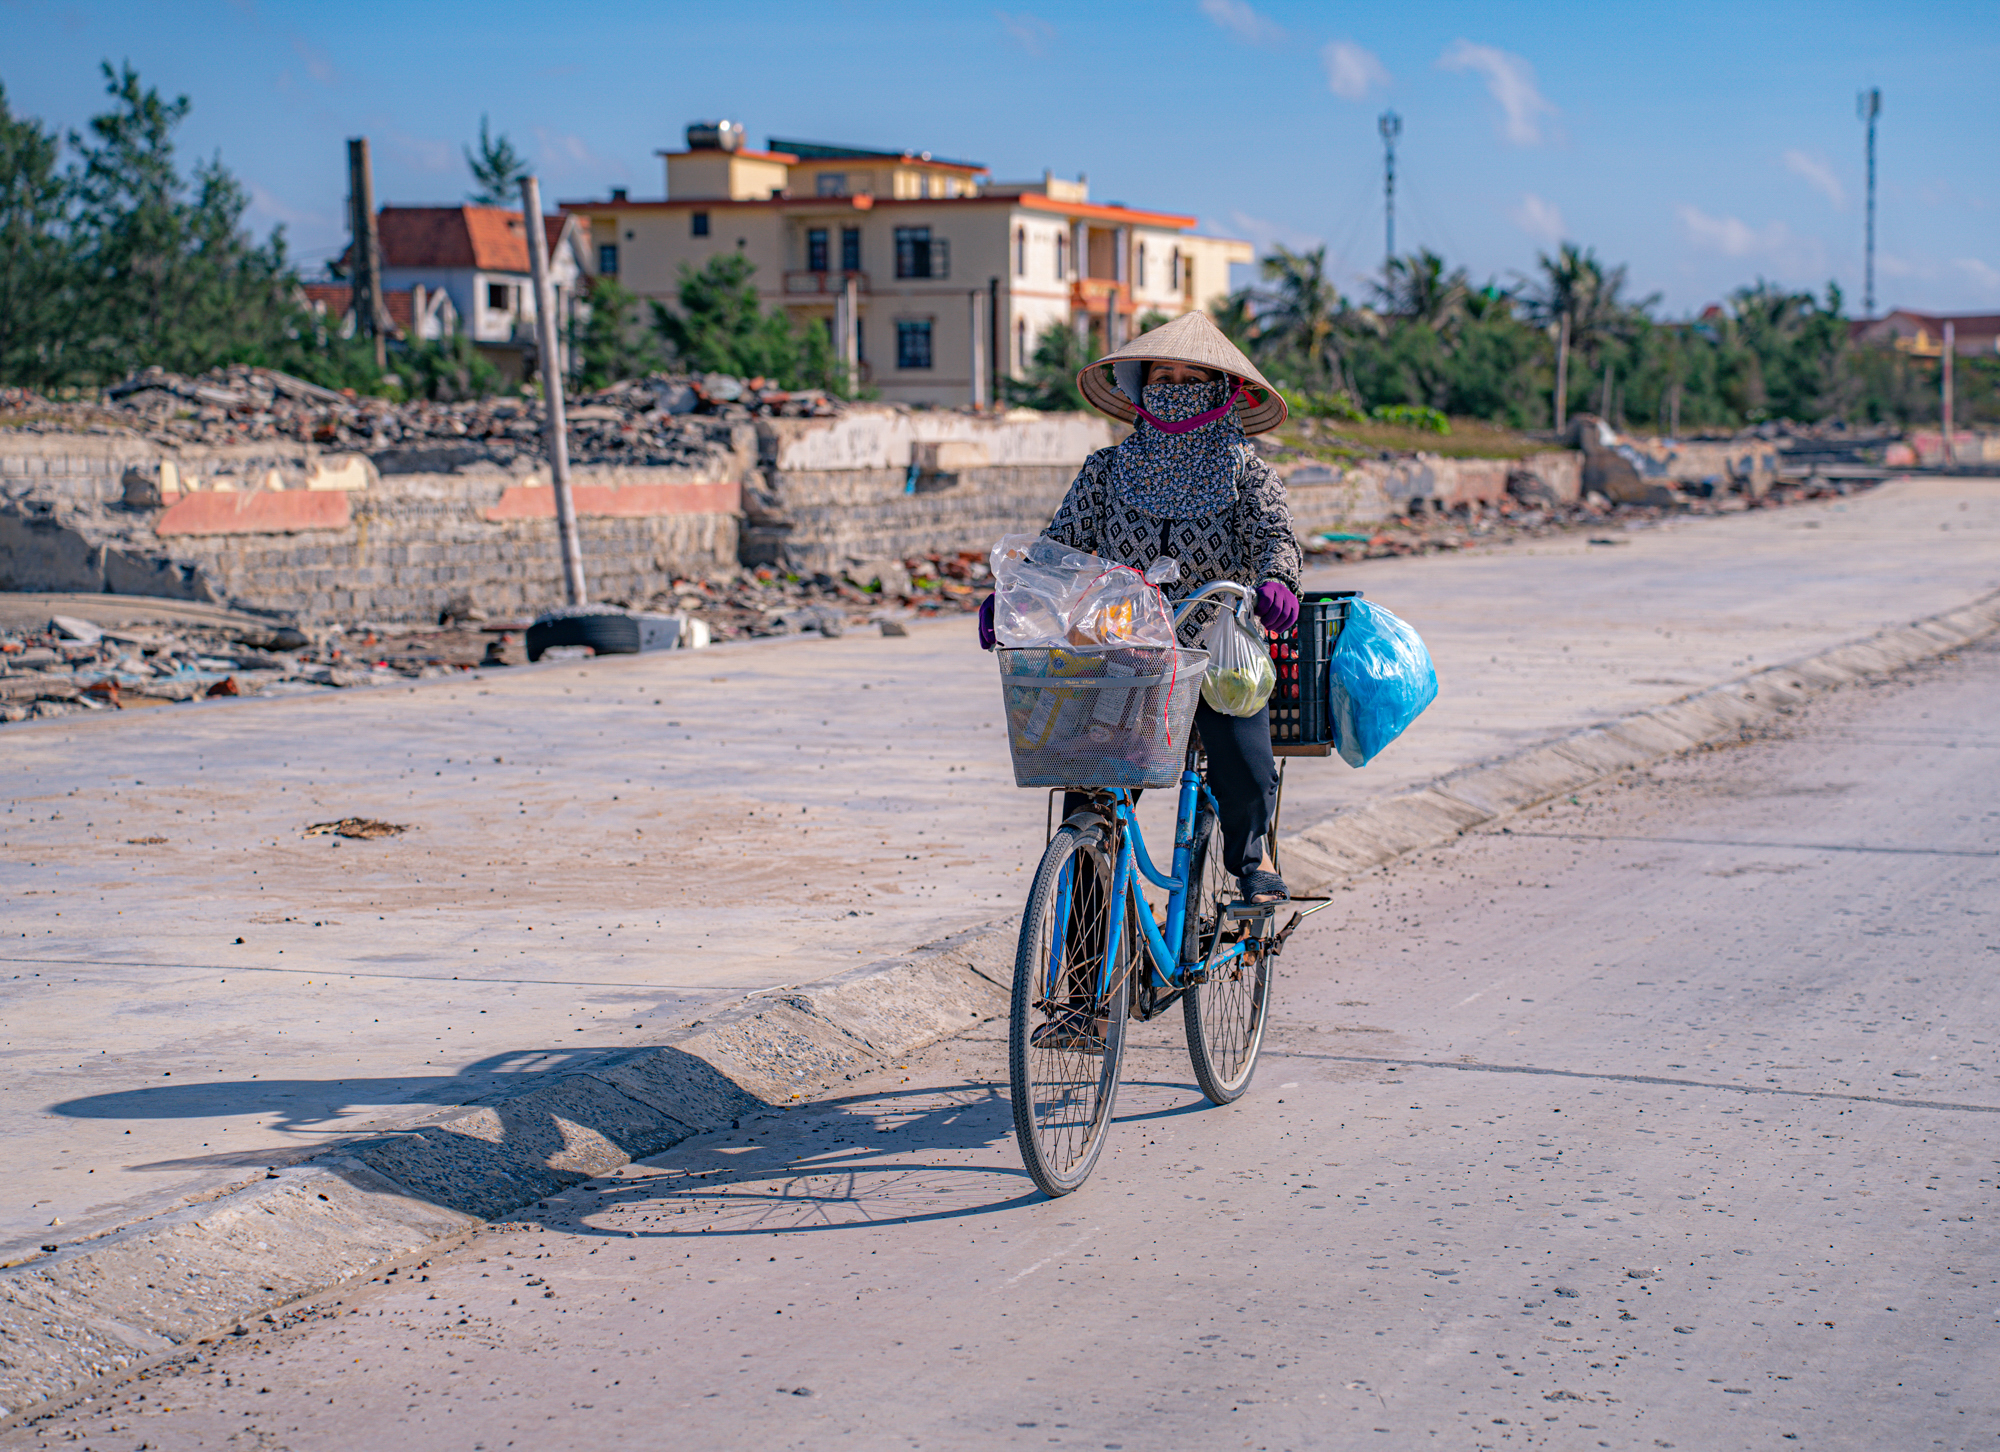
(1242, 773)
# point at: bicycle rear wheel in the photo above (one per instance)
(1063, 1092)
(1225, 1012)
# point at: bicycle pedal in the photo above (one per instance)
(1242, 911)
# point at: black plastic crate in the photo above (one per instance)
(1300, 722)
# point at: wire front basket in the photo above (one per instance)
(1104, 716)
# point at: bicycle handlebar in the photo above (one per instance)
(1217, 587)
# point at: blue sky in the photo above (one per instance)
(1702, 144)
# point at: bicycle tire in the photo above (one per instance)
(1226, 1012)
(1063, 1098)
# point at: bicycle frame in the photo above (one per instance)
(1134, 861)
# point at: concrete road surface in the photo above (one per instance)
(1665, 1117)
(598, 850)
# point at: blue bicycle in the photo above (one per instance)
(1093, 955)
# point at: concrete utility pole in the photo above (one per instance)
(1869, 105)
(847, 333)
(371, 315)
(1391, 127)
(1562, 374)
(549, 365)
(994, 333)
(1950, 348)
(976, 349)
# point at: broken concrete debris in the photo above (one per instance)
(59, 669)
(660, 420)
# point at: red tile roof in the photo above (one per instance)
(337, 300)
(488, 238)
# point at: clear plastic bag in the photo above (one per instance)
(1380, 681)
(1047, 594)
(1240, 676)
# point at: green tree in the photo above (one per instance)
(613, 343)
(722, 328)
(1420, 289)
(1051, 382)
(1301, 318)
(447, 370)
(165, 273)
(34, 252)
(496, 169)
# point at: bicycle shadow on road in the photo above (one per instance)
(536, 1124)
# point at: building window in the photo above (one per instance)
(1021, 343)
(607, 258)
(816, 249)
(1176, 284)
(1062, 256)
(1020, 252)
(831, 184)
(1139, 261)
(913, 344)
(860, 340)
(850, 249)
(500, 297)
(700, 224)
(918, 254)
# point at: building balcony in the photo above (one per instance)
(1099, 295)
(823, 284)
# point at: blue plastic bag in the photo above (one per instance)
(1381, 680)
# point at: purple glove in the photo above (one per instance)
(987, 639)
(1277, 607)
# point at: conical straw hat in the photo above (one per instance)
(1190, 338)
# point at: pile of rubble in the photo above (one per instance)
(660, 420)
(1541, 516)
(68, 665)
(765, 602)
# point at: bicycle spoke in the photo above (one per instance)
(1063, 1087)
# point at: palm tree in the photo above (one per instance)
(1302, 314)
(1418, 289)
(1579, 297)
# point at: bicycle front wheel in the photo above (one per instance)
(1066, 1039)
(1226, 1007)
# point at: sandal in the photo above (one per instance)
(1071, 1030)
(1260, 886)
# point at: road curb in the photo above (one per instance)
(1353, 840)
(104, 1308)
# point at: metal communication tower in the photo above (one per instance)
(1869, 105)
(1391, 127)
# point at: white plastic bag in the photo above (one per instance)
(1240, 676)
(1047, 594)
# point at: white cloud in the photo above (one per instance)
(319, 65)
(1539, 219)
(1263, 233)
(1031, 31)
(1240, 19)
(1511, 80)
(1817, 173)
(1351, 71)
(1731, 236)
(421, 154)
(1774, 244)
(1987, 278)
(564, 154)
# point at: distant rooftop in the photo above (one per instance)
(822, 151)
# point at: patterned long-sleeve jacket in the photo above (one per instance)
(1250, 542)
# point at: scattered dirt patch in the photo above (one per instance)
(362, 828)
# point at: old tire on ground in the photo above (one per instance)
(606, 629)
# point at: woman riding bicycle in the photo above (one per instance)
(1186, 485)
